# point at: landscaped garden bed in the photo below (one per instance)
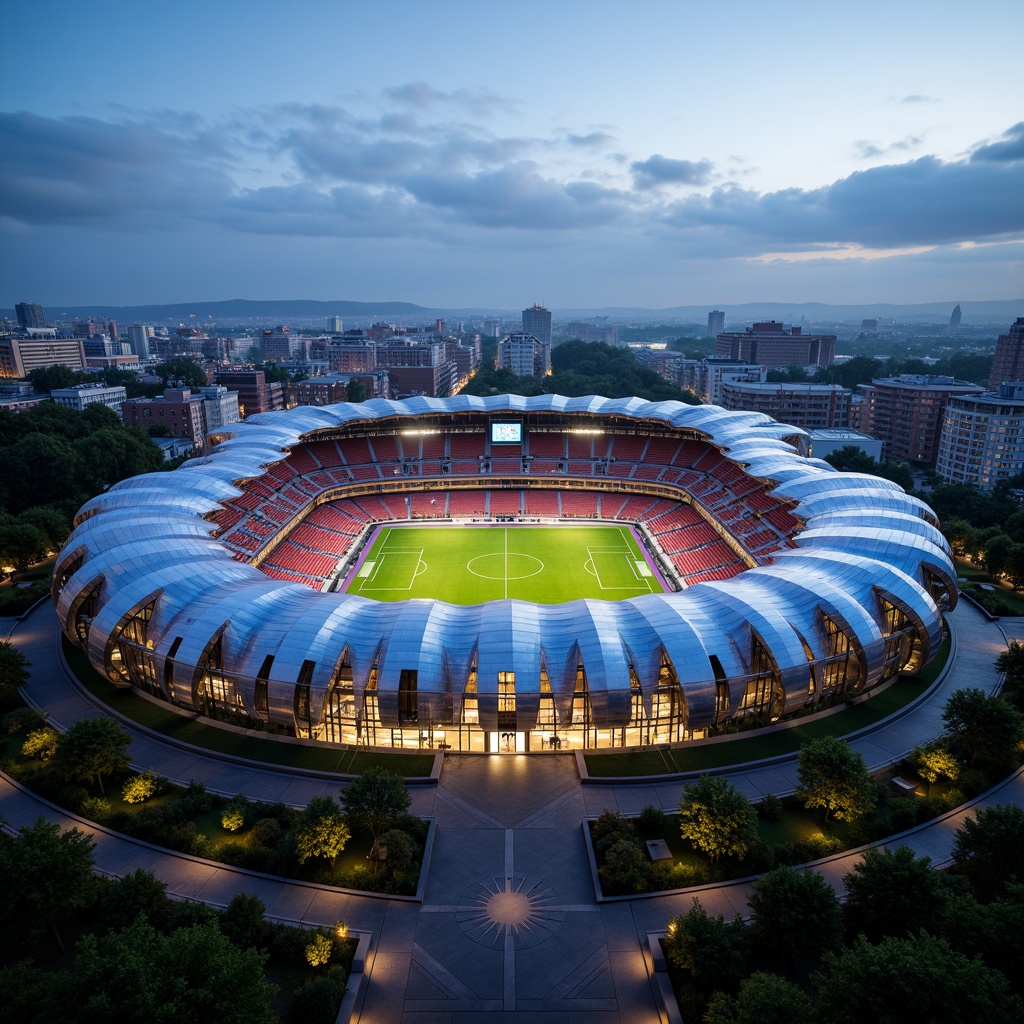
(365, 841)
(95, 949)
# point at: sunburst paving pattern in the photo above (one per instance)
(514, 906)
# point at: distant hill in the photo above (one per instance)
(274, 311)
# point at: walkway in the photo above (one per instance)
(509, 921)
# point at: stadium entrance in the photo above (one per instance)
(508, 742)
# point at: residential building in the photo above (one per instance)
(276, 344)
(173, 447)
(705, 377)
(772, 345)
(716, 323)
(833, 439)
(333, 387)
(220, 407)
(906, 413)
(16, 397)
(81, 395)
(1008, 362)
(592, 332)
(255, 394)
(982, 440)
(29, 314)
(524, 354)
(177, 409)
(811, 406)
(20, 356)
(537, 321)
(337, 326)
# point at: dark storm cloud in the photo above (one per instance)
(661, 170)
(1009, 147)
(518, 196)
(328, 173)
(79, 170)
(923, 202)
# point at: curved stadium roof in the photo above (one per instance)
(865, 542)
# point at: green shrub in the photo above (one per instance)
(266, 832)
(651, 820)
(23, 720)
(41, 744)
(319, 1000)
(770, 808)
(139, 788)
(318, 952)
(95, 808)
(233, 818)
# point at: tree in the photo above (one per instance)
(1011, 664)
(140, 892)
(14, 668)
(713, 952)
(182, 372)
(990, 930)
(796, 912)
(50, 522)
(918, 979)
(763, 998)
(139, 976)
(989, 849)
(374, 800)
(986, 727)
(91, 749)
(398, 849)
(21, 544)
(321, 830)
(934, 762)
(717, 818)
(244, 921)
(49, 378)
(833, 777)
(356, 391)
(890, 892)
(47, 874)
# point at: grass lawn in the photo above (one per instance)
(772, 744)
(476, 564)
(222, 741)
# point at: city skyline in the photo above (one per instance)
(454, 156)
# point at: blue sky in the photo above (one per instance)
(471, 153)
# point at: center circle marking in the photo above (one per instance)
(501, 566)
(508, 908)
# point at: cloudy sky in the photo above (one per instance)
(470, 153)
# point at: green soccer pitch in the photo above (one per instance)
(473, 564)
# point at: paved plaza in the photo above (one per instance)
(509, 922)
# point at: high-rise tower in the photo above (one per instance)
(1008, 363)
(716, 323)
(30, 314)
(537, 321)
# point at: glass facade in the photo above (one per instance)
(852, 597)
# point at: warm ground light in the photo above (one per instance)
(475, 564)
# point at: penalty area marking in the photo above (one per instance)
(419, 568)
(639, 570)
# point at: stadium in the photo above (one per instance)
(504, 574)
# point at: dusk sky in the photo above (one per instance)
(475, 154)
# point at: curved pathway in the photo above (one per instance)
(509, 921)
